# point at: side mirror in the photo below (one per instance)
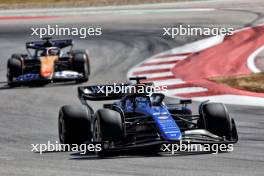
(185, 101)
(157, 99)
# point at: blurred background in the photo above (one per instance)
(10, 4)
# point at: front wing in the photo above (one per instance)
(61, 76)
(197, 136)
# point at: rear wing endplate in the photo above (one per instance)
(100, 92)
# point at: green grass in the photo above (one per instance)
(252, 82)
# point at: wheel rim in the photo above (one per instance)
(85, 70)
(97, 132)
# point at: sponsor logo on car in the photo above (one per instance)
(28, 77)
(67, 74)
(163, 117)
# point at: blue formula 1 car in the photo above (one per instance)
(142, 121)
(48, 61)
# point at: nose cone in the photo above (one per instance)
(170, 129)
(166, 124)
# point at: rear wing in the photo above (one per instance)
(49, 43)
(183, 102)
(101, 92)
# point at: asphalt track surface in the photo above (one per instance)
(29, 115)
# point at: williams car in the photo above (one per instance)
(142, 121)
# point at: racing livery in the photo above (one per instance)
(142, 121)
(48, 61)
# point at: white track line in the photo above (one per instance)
(166, 59)
(200, 44)
(186, 90)
(187, 48)
(153, 67)
(251, 60)
(233, 99)
(156, 75)
(168, 82)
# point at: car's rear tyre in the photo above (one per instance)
(215, 118)
(80, 63)
(108, 127)
(14, 69)
(74, 125)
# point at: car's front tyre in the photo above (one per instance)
(14, 69)
(74, 125)
(214, 117)
(108, 127)
(81, 64)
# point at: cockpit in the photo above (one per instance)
(50, 51)
(144, 100)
